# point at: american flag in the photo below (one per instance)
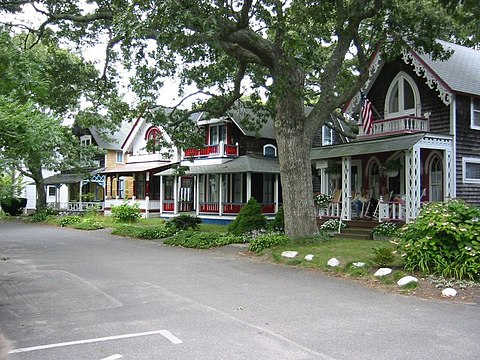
(367, 114)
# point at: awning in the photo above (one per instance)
(138, 167)
(373, 146)
(240, 164)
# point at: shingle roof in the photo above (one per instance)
(108, 141)
(461, 72)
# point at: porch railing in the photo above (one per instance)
(233, 208)
(221, 149)
(401, 124)
(75, 206)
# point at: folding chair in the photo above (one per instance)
(335, 203)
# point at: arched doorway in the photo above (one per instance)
(436, 179)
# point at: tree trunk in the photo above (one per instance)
(294, 143)
(40, 188)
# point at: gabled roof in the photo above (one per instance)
(461, 72)
(240, 114)
(108, 141)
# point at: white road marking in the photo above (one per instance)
(113, 357)
(164, 333)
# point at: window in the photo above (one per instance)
(52, 191)
(374, 177)
(86, 140)
(216, 134)
(119, 157)
(140, 186)
(121, 188)
(471, 170)
(327, 136)
(403, 97)
(237, 188)
(436, 179)
(475, 123)
(268, 181)
(153, 136)
(269, 150)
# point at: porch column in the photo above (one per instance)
(249, 185)
(346, 188)
(412, 182)
(220, 194)
(147, 194)
(80, 196)
(175, 194)
(161, 195)
(275, 194)
(196, 196)
(448, 174)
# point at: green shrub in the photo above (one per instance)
(201, 240)
(383, 256)
(88, 224)
(184, 222)
(126, 213)
(443, 240)
(265, 241)
(332, 225)
(385, 229)
(43, 215)
(248, 219)
(13, 205)
(278, 224)
(143, 232)
(68, 220)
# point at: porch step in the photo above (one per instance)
(357, 233)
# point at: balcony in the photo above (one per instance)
(399, 125)
(217, 150)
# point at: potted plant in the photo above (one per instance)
(392, 167)
(334, 171)
(385, 231)
(322, 200)
(331, 226)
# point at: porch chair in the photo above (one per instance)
(335, 203)
(382, 200)
(366, 205)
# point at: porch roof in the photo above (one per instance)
(137, 167)
(366, 146)
(69, 177)
(237, 165)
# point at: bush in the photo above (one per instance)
(443, 240)
(12, 205)
(126, 213)
(43, 215)
(278, 224)
(68, 220)
(184, 222)
(386, 229)
(332, 225)
(143, 232)
(265, 241)
(88, 224)
(201, 240)
(383, 256)
(248, 219)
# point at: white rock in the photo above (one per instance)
(407, 280)
(359, 264)
(309, 257)
(449, 292)
(383, 272)
(289, 254)
(333, 262)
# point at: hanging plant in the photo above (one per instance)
(392, 167)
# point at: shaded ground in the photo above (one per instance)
(426, 289)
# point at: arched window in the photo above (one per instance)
(153, 136)
(374, 179)
(403, 97)
(269, 150)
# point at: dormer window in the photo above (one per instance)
(86, 140)
(403, 97)
(153, 136)
(475, 123)
(270, 151)
(216, 134)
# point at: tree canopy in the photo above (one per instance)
(290, 53)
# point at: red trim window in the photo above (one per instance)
(153, 136)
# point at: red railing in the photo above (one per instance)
(402, 124)
(168, 205)
(233, 208)
(213, 151)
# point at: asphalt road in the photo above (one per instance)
(69, 294)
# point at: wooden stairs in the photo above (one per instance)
(358, 229)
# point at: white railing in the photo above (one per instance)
(396, 125)
(76, 206)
